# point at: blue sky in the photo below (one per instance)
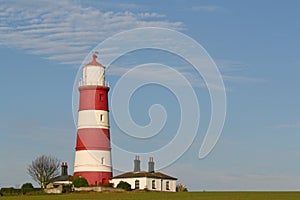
(255, 44)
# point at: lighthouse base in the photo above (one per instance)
(94, 178)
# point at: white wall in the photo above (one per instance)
(93, 75)
(131, 181)
(160, 185)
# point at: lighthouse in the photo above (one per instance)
(93, 151)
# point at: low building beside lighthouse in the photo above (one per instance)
(57, 184)
(150, 180)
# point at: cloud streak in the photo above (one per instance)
(58, 30)
(287, 126)
(208, 8)
(228, 72)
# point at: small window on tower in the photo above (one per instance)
(101, 97)
(101, 118)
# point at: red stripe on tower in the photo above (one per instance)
(93, 151)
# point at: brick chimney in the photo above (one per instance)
(64, 169)
(137, 164)
(151, 165)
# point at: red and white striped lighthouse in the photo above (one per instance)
(93, 152)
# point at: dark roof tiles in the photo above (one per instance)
(145, 174)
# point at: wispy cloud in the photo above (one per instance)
(160, 75)
(119, 5)
(287, 126)
(239, 79)
(65, 31)
(151, 15)
(230, 71)
(208, 8)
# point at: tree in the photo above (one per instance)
(43, 169)
(124, 185)
(80, 182)
(181, 188)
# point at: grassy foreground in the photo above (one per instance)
(158, 195)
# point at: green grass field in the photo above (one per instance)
(172, 196)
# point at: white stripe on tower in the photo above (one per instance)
(93, 119)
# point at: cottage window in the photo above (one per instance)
(167, 185)
(137, 184)
(153, 184)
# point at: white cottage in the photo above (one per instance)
(151, 180)
(57, 184)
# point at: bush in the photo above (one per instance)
(106, 184)
(24, 190)
(10, 191)
(27, 187)
(80, 182)
(67, 189)
(124, 185)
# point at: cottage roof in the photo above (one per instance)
(62, 178)
(144, 174)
